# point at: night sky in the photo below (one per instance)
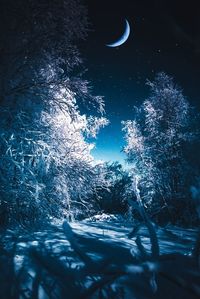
(165, 36)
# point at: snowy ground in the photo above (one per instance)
(94, 250)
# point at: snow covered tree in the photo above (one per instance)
(44, 147)
(156, 141)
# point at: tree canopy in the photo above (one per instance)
(45, 142)
(156, 141)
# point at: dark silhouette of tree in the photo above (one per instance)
(111, 197)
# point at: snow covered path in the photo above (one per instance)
(115, 236)
(104, 240)
(104, 237)
(95, 255)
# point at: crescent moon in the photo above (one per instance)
(123, 38)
